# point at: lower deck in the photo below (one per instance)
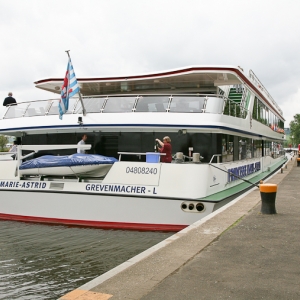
(229, 147)
(168, 197)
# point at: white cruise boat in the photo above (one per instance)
(226, 131)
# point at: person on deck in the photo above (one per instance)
(82, 142)
(9, 100)
(14, 149)
(165, 148)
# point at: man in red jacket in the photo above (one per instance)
(165, 148)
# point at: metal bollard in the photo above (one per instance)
(268, 197)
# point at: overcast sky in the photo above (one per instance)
(118, 37)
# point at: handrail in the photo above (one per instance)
(7, 152)
(258, 84)
(22, 109)
(53, 147)
(215, 155)
(138, 153)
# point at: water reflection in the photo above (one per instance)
(45, 262)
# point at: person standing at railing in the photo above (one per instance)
(9, 100)
(165, 148)
(82, 142)
(14, 149)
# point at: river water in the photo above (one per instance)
(45, 262)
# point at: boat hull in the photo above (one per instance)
(166, 197)
(102, 211)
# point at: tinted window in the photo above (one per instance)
(119, 104)
(186, 104)
(152, 104)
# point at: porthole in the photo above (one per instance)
(192, 206)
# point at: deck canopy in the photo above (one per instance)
(192, 79)
(195, 79)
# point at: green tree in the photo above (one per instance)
(295, 130)
(3, 142)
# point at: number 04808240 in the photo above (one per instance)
(141, 170)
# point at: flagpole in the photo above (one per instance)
(80, 98)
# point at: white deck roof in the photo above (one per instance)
(195, 79)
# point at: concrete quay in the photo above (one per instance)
(235, 253)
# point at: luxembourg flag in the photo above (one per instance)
(69, 88)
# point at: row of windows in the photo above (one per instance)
(184, 104)
(262, 114)
(116, 104)
(249, 148)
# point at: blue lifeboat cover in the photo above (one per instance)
(78, 159)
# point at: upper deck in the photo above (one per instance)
(149, 101)
(196, 79)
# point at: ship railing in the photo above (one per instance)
(139, 154)
(175, 158)
(177, 103)
(217, 156)
(261, 87)
(244, 97)
(37, 108)
(7, 155)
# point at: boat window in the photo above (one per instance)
(72, 104)
(227, 148)
(36, 108)
(215, 105)
(187, 104)
(16, 111)
(119, 104)
(277, 149)
(92, 104)
(273, 148)
(257, 148)
(54, 107)
(249, 148)
(265, 115)
(268, 149)
(152, 104)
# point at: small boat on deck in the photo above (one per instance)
(91, 165)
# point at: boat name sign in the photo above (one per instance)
(243, 171)
(114, 188)
(23, 185)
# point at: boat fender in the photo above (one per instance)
(179, 157)
(196, 157)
